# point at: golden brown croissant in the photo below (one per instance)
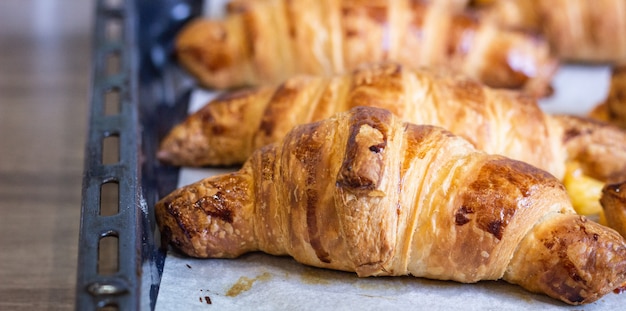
(613, 109)
(578, 30)
(270, 41)
(598, 147)
(228, 129)
(364, 192)
(613, 202)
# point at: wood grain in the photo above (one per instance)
(44, 95)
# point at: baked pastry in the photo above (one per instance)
(450, 5)
(269, 41)
(599, 148)
(578, 30)
(613, 202)
(227, 130)
(365, 192)
(613, 109)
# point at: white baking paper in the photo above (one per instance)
(578, 89)
(262, 282)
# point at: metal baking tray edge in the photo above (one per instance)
(153, 95)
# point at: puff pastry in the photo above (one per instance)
(227, 130)
(578, 30)
(613, 202)
(365, 192)
(269, 41)
(613, 109)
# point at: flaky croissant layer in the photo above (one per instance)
(613, 108)
(365, 192)
(578, 30)
(269, 41)
(228, 129)
(613, 202)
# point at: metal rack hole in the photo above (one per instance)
(113, 29)
(108, 254)
(109, 198)
(111, 149)
(112, 102)
(109, 307)
(113, 64)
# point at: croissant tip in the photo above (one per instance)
(164, 156)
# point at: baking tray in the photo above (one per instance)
(136, 94)
(150, 93)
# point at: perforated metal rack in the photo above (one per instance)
(137, 94)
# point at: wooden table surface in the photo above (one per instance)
(45, 59)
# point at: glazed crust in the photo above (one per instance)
(578, 30)
(228, 129)
(217, 134)
(493, 120)
(613, 109)
(269, 41)
(367, 193)
(573, 258)
(613, 201)
(599, 147)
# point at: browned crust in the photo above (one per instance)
(261, 42)
(212, 52)
(339, 194)
(613, 202)
(613, 108)
(600, 112)
(578, 31)
(289, 106)
(363, 165)
(210, 218)
(220, 133)
(495, 121)
(598, 146)
(573, 259)
(497, 177)
(616, 100)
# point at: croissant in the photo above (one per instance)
(365, 192)
(613, 201)
(578, 30)
(270, 41)
(613, 109)
(228, 129)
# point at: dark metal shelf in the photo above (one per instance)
(137, 94)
